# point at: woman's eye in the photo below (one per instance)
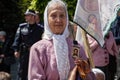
(53, 16)
(62, 16)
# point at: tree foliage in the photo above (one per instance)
(23, 5)
(71, 8)
(9, 15)
(40, 5)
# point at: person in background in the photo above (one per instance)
(6, 53)
(38, 19)
(26, 35)
(51, 58)
(115, 28)
(5, 76)
(113, 53)
(72, 29)
(100, 54)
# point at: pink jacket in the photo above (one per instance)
(111, 45)
(42, 63)
(101, 55)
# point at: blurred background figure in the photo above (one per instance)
(113, 53)
(38, 19)
(115, 28)
(6, 53)
(26, 35)
(72, 29)
(101, 55)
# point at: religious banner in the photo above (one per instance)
(108, 10)
(94, 17)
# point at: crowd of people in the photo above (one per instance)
(50, 51)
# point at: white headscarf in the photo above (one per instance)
(98, 73)
(47, 33)
(59, 41)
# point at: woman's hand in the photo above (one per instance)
(77, 61)
(83, 67)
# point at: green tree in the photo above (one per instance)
(40, 5)
(23, 5)
(9, 15)
(71, 8)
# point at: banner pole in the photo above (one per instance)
(87, 48)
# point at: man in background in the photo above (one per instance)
(26, 35)
(37, 18)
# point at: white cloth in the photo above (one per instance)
(61, 53)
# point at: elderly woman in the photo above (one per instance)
(51, 58)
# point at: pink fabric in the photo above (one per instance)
(42, 64)
(111, 45)
(100, 55)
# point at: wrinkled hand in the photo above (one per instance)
(82, 66)
(17, 54)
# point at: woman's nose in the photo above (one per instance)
(58, 19)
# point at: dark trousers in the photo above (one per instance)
(110, 69)
(23, 70)
(4, 67)
(112, 66)
(106, 71)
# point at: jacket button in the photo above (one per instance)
(106, 58)
(105, 52)
(106, 61)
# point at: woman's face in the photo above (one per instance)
(57, 19)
